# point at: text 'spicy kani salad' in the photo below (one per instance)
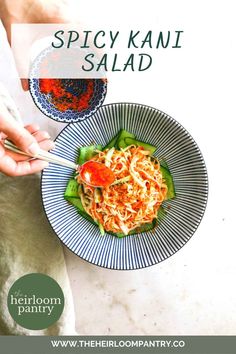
(133, 202)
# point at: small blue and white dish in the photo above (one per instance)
(74, 86)
(43, 101)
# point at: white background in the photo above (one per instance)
(194, 291)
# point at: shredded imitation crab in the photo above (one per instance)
(135, 196)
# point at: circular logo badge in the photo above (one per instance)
(35, 301)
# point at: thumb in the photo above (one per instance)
(17, 133)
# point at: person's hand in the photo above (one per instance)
(29, 139)
(35, 11)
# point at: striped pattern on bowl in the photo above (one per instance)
(184, 213)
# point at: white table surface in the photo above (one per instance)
(194, 291)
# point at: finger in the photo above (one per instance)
(16, 157)
(12, 168)
(19, 135)
(41, 135)
(25, 84)
(47, 145)
(44, 145)
(2, 136)
(13, 155)
(32, 128)
(30, 167)
(44, 141)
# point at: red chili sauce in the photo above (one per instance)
(96, 174)
(62, 99)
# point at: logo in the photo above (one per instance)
(35, 301)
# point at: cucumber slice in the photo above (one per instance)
(76, 202)
(169, 182)
(71, 189)
(86, 216)
(146, 146)
(80, 209)
(120, 143)
(87, 152)
(144, 227)
(102, 231)
(111, 143)
(163, 163)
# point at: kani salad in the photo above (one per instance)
(133, 202)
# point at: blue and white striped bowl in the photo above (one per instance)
(184, 213)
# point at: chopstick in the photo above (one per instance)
(42, 155)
